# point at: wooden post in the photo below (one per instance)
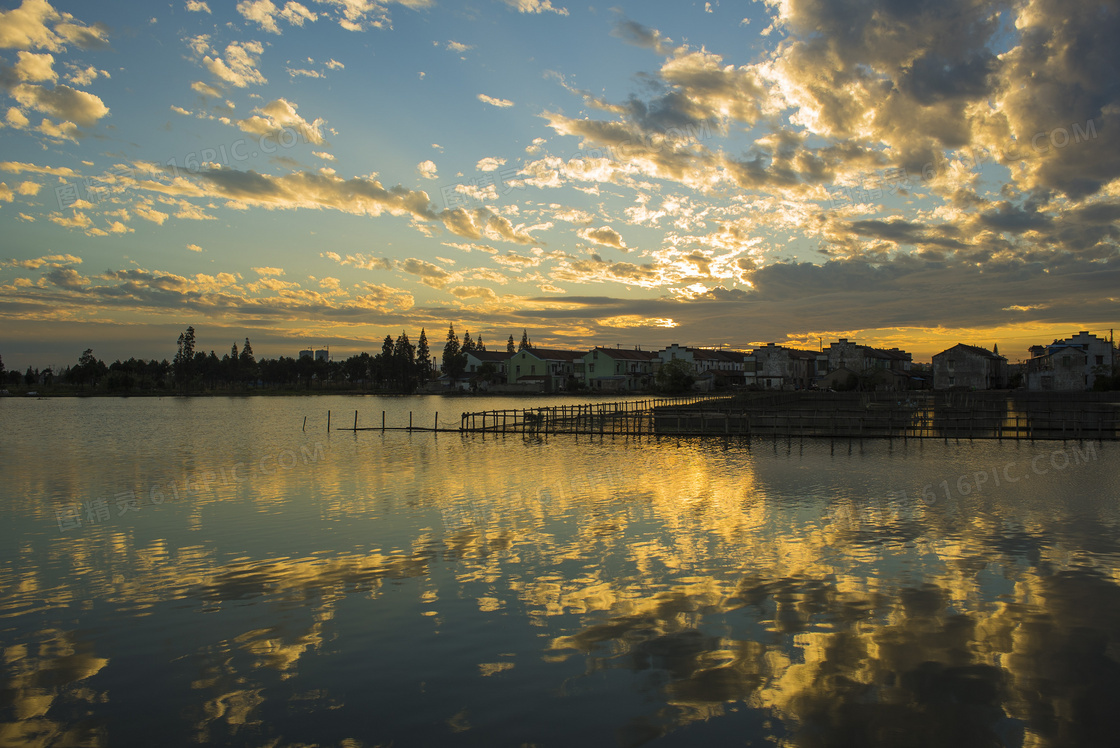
(305, 423)
(328, 422)
(435, 424)
(410, 421)
(355, 420)
(382, 422)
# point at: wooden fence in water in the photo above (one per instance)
(806, 414)
(866, 415)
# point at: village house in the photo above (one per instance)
(1071, 364)
(548, 368)
(781, 368)
(874, 368)
(617, 369)
(712, 368)
(970, 367)
(477, 362)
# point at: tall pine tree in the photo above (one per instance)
(423, 359)
(478, 344)
(468, 344)
(525, 342)
(454, 362)
(509, 345)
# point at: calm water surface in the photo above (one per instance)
(176, 572)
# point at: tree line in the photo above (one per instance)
(399, 367)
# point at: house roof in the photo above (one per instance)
(975, 350)
(624, 354)
(489, 355)
(555, 354)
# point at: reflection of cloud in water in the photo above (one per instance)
(790, 589)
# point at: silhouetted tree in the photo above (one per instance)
(675, 376)
(423, 359)
(468, 344)
(525, 342)
(247, 368)
(478, 344)
(509, 345)
(184, 358)
(454, 362)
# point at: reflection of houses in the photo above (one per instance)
(778, 367)
(477, 362)
(969, 366)
(548, 367)
(1070, 364)
(614, 369)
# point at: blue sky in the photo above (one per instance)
(325, 173)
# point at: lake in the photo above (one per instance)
(181, 571)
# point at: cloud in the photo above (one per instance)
(239, 68)
(357, 15)
(36, 25)
(501, 103)
(206, 89)
(17, 119)
(279, 117)
(474, 292)
(265, 12)
(490, 164)
(427, 169)
(35, 67)
(323, 155)
(84, 76)
(19, 167)
(604, 236)
(198, 6)
(50, 261)
(194, 248)
(63, 102)
(535, 6)
(428, 273)
(6, 193)
(635, 33)
(458, 47)
(29, 188)
(268, 271)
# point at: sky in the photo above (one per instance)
(323, 173)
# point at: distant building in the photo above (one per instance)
(549, 367)
(969, 366)
(1072, 364)
(875, 368)
(615, 369)
(711, 367)
(307, 353)
(781, 368)
(477, 359)
(323, 354)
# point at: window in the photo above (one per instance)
(1065, 360)
(595, 355)
(952, 365)
(533, 369)
(592, 368)
(952, 381)
(519, 370)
